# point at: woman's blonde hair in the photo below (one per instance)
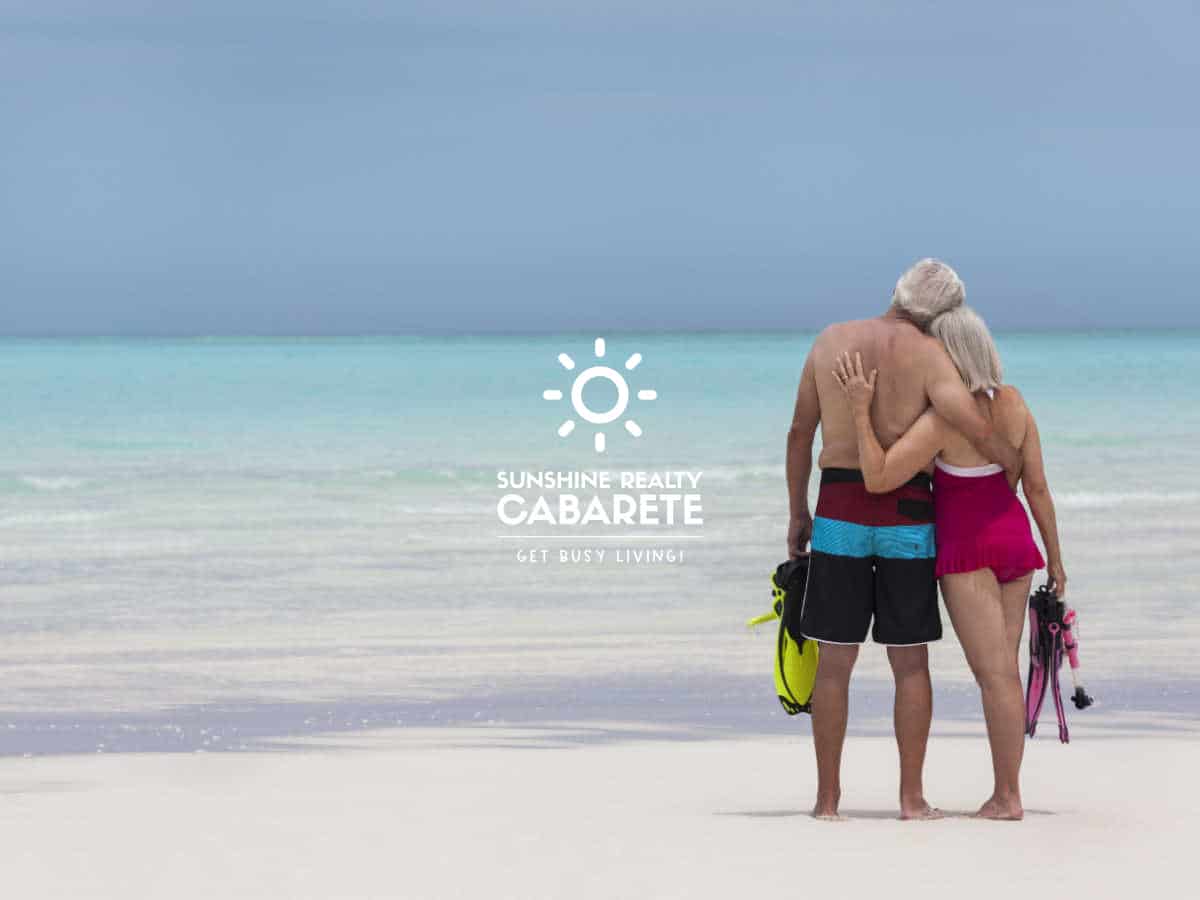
(967, 339)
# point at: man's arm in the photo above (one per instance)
(805, 419)
(953, 402)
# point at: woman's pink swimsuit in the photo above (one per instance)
(980, 523)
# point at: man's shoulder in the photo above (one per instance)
(846, 329)
(918, 345)
(901, 338)
(904, 331)
(897, 329)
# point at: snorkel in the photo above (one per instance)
(1080, 698)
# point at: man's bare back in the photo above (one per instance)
(915, 372)
(905, 358)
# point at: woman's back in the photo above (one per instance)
(980, 523)
(1008, 415)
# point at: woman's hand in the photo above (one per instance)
(1058, 577)
(858, 388)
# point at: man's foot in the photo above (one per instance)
(1003, 810)
(826, 807)
(920, 811)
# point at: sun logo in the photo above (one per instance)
(590, 415)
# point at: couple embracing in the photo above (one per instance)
(922, 449)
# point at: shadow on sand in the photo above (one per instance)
(852, 814)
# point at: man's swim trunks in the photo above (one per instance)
(873, 555)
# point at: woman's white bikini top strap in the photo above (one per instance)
(968, 471)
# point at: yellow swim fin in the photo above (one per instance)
(795, 656)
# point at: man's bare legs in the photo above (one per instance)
(988, 620)
(830, 708)
(913, 713)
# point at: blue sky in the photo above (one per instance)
(306, 168)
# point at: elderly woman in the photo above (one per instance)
(985, 550)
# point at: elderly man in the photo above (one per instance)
(873, 554)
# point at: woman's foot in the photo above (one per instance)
(1004, 809)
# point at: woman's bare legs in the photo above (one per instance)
(1014, 597)
(987, 622)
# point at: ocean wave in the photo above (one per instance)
(55, 518)
(1098, 499)
(759, 472)
(52, 483)
(469, 475)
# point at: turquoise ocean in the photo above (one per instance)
(219, 543)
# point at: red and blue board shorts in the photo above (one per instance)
(873, 558)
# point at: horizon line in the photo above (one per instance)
(515, 333)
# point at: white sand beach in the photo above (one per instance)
(490, 812)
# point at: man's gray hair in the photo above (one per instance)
(927, 290)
